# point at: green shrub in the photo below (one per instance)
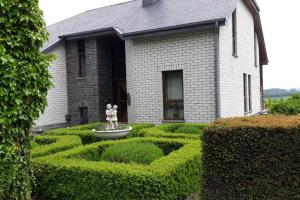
(66, 175)
(252, 158)
(290, 106)
(187, 131)
(87, 136)
(46, 145)
(136, 128)
(24, 82)
(142, 153)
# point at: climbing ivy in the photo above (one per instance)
(24, 82)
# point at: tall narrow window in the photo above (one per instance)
(234, 34)
(173, 95)
(255, 50)
(250, 93)
(81, 58)
(84, 115)
(245, 93)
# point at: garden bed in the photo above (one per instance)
(71, 175)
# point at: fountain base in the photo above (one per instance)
(112, 134)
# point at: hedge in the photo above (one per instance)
(252, 158)
(86, 134)
(173, 131)
(71, 175)
(46, 145)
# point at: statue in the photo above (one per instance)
(115, 117)
(111, 117)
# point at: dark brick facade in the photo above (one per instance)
(95, 90)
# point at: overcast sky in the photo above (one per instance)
(279, 19)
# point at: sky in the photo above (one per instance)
(280, 25)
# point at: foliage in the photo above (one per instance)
(187, 131)
(290, 106)
(66, 175)
(86, 134)
(23, 89)
(142, 153)
(46, 145)
(252, 158)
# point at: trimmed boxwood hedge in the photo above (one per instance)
(66, 175)
(46, 145)
(252, 158)
(86, 134)
(180, 130)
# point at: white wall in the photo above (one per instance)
(147, 58)
(232, 68)
(57, 96)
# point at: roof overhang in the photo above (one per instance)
(254, 9)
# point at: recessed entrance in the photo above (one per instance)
(112, 75)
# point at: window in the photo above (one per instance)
(234, 34)
(245, 94)
(173, 95)
(255, 50)
(84, 115)
(250, 93)
(81, 58)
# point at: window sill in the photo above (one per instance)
(172, 121)
(81, 78)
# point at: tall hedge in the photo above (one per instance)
(24, 81)
(252, 158)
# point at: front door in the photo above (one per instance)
(119, 79)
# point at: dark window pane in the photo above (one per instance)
(84, 115)
(234, 33)
(245, 93)
(81, 58)
(250, 93)
(173, 95)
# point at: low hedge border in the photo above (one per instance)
(67, 176)
(252, 158)
(86, 134)
(53, 144)
(169, 131)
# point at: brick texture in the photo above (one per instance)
(147, 58)
(57, 96)
(232, 68)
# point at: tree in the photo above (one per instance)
(24, 82)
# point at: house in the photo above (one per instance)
(159, 61)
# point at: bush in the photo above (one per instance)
(67, 175)
(252, 158)
(86, 134)
(24, 83)
(290, 106)
(187, 131)
(142, 153)
(46, 145)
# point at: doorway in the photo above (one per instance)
(119, 78)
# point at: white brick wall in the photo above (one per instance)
(232, 68)
(57, 96)
(147, 58)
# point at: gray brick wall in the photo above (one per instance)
(147, 58)
(82, 92)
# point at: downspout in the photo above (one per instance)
(217, 70)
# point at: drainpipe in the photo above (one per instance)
(217, 70)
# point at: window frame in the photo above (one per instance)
(81, 59)
(165, 93)
(256, 50)
(245, 91)
(250, 93)
(234, 34)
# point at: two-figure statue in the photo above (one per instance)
(111, 116)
